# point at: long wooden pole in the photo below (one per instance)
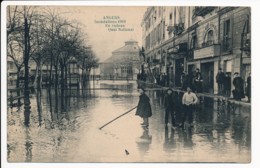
(117, 117)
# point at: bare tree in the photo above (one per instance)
(87, 60)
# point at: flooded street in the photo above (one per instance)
(66, 129)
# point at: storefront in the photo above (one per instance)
(207, 60)
(207, 72)
(177, 62)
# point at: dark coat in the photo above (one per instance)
(144, 109)
(220, 77)
(227, 83)
(248, 87)
(198, 83)
(238, 82)
(186, 81)
(169, 101)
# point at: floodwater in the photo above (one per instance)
(66, 129)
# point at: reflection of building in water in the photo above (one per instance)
(241, 129)
(143, 143)
(123, 64)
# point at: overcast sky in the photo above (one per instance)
(104, 42)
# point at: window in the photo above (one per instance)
(170, 19)
(73, 68)
(126, 70)
(209, 39)
(163, 27)
(11, 65)
(226, 36)
(193, 42)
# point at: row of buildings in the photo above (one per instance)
(74, 73)
(178, 39)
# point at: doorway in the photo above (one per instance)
(207, 73)
(179, 68)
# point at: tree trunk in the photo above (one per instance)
(62, 85)
(17, 86)
(88, 74)
(36, 76)
(62, 76)
(83, 78)
(56, 77)
(39, 107)
(66, 76)
(39, 81)
(50, 74)
(26, 74)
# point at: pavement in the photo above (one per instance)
(243, 101)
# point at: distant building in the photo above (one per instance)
(124, 64)
(11, 72)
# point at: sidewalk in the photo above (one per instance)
(244, 101)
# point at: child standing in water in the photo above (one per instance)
(144, 109)
(189, 99)
(169, 107)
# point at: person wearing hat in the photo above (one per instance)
(144, 109)
(169, 105)
(220, 78)
(238, 83)
(248, 87)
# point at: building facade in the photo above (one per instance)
(178, 39)
(124, 64)
(11, 73)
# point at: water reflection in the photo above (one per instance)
(169, 142)
(241, 130)
(73, 116)
(144, 141)
(187, 138)
(28, 146)
(27, 108)
(39, 106)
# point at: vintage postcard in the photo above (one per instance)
(138, 83)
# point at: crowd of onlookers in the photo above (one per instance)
(195, 82)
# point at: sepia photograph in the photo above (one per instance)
(126, 83)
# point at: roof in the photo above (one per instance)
(120, 58)
(130, 46)
(121, 54)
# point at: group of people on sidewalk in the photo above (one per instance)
(194, 81)
(162, 79)
(189, 99)
(224, 85)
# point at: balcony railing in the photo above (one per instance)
(202, 11)
(170, 28)
(155, 60)
(177, 29)
(226, 45)
(246, 42)
(207, 43)
(190, 54)
(208, 51)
